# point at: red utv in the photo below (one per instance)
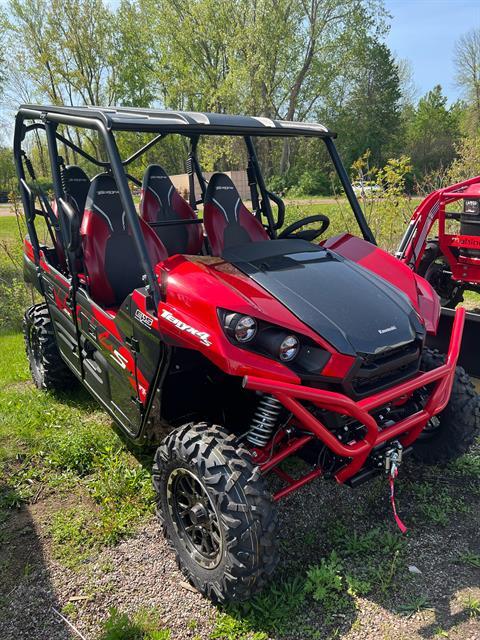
(230, 340)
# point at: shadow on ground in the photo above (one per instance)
(27, 597)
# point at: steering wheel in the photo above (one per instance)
(308, 234)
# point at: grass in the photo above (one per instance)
(144, 625)
(64, 443)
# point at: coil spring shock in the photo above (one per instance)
(264, 421)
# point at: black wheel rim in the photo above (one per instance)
(438, 276)
(195, 518)
(35, 351)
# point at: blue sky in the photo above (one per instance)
(425, 31)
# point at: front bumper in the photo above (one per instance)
(406, 430)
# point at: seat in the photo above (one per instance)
(161, 202)
(110, 259)
(228, 222)
(76, 184)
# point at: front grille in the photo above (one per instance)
(382, 370)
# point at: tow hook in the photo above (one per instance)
(393, 459)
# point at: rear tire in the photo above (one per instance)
(49, 371)
(431, 268)
(215, 511)
(451, 433)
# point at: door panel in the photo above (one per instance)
(57, 294)
(109, 365)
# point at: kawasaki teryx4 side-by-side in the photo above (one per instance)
(230, 341)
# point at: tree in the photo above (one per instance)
(370, 115)
(433, 131)
(467, 63)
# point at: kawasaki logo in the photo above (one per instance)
(388, 329)
(202, 335)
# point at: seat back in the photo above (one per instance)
(161, 202)
(76, 184)
(109, 254)
(228, 222)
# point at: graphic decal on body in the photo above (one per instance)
(183, 326)
(143, 318)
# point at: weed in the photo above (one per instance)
(471, 558)
(143, 626)
(274, 609)
(326, 584)
(468, 465)
(357, 587)
(229, 627)
(73, 535)
(310, 538)
(414, 605)
(472, 606)
(70, 610)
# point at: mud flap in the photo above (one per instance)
(469, 357)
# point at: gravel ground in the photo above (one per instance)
(141, 572)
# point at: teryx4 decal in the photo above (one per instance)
(202, 335)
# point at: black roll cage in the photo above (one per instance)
(188, 124)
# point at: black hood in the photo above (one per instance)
(356, 311)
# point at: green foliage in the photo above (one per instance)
(77, 449)
(371, 113)
(326, 584)
(472, 606)
(73, 535)
(143, 626)
(272, 610)
(470, 558)
(414, 605)
(432, 132)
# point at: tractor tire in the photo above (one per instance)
(49, 371)
(451, 433)
(216, 512)
(430, 268)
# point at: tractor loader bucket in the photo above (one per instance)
(469, 357)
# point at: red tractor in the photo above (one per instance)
(449, 261)
(229, 340)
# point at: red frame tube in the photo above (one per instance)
(407, 430)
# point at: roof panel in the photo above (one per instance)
(184, 122)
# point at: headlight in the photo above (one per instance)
(298, 352)
(242, 328)
(288, 348)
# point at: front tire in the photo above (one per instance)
(215, 511)
(49, 371)
(451, 433)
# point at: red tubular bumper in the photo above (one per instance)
(407, 430)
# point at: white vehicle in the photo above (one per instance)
(366, 188)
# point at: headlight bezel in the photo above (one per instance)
(309, 359)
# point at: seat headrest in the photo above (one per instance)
(76, 184)
(223, 193)
(103, 199)
(158, 182)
